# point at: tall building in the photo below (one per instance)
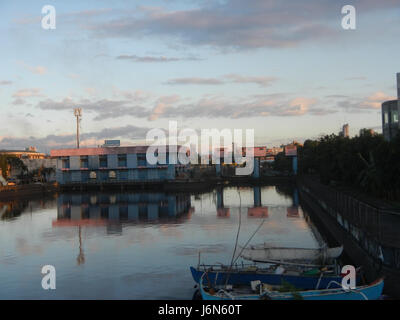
(390, 115)
(345, 131)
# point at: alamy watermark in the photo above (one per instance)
(49, 20)
(49, 280)
(187, 146)
(349, 20)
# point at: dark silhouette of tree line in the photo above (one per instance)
(366, 162)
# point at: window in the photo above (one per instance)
(122, 160)
(141, 159)
(65, 163)
(385, 117)
(103, 161)
(123, 174)
(112, 175)
(395, 116)
(84, 162)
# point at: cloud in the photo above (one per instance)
(219, 107)
(103, 108)
(356, 105)
(209, 106)
(261, 81)
(197, 81)
(28, 93)
(18, 102)
(237, 24)
(161, 105)
(23, 94)
(38, 70)
(5, 82)
(68, 140)
(135, 58)
(229, 78)
(375, 100)
(356, 78)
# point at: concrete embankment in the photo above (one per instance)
(369, 234)
(27, 190)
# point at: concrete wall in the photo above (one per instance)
(130, 173)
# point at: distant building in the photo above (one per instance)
(28, 153)
(111, 143)
(112, 164)
(390, 115)
(274, 151)
(345, 131)
(364, 131)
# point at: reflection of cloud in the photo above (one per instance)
(142, 276)
(26, 248)
(171, 231)
(8, 259)
(192, 251)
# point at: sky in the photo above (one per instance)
(286, 69)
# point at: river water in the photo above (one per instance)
(137, 245)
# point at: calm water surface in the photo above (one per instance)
(137, 245)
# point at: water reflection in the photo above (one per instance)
(114, 210)
(12, 209)
(137, 245)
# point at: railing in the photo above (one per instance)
(375, 228)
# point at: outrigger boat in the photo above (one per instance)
(256, 290)
(265, 253)
(304, 277)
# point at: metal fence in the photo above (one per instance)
(376, 229)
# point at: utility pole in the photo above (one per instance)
(78, 115)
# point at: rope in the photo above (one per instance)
(319, 280)
(348, 289)
(237, 237)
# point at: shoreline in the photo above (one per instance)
(189, 185)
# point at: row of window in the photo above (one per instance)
(103, 161)
(394, 117)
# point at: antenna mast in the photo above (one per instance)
(78, 115)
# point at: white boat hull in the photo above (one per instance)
(262, 253)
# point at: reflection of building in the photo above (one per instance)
(113, 164)
(113, 209)
(257, 212)
(293, 212)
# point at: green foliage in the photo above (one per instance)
(4, 165)
(282, 163)
(367, 162)
(288, 287)
(10, 162)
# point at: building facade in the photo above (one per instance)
(390, 119)
(390, 115)
(345, 131)
(28, 153)
(112, 165)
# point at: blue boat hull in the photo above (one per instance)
(241, 278)
(370, 292)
